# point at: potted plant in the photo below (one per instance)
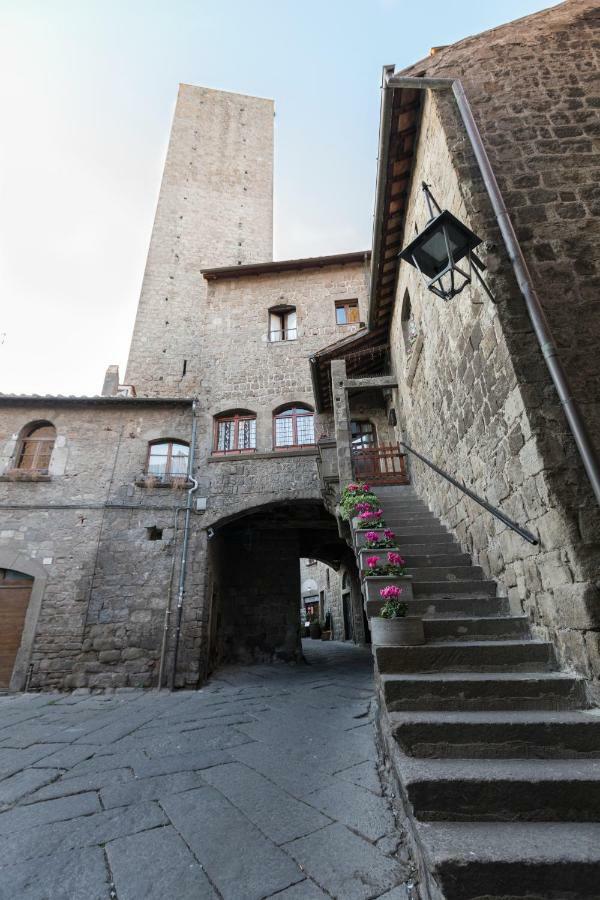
(381, 539)
(382, 572)
(393, 627)
(353, 496)
(326, 628)
(368, 517)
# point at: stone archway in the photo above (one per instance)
(17, 562)
(255, 579)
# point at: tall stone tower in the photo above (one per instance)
(215, 208)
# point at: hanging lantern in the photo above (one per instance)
(437, 251)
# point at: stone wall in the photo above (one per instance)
(475, 397)
(87, 531)
(215, 208)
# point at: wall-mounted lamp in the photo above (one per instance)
(437, 251)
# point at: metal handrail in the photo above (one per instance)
(526, 535)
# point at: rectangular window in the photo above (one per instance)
(282, 326)
(346, 312)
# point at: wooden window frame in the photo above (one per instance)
(167, 475)
(294, 416)
(346, 305)
(282, 312)
(363, 446)
(40, 448)
(236, 418)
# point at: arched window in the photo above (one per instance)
(235, 432)
(282, 324)
(35, 448)
(409, 328)
(168, 459)
(294, 426)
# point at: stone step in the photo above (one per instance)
(457, 606)
(502, 790)
(467, 656)
(478, 691)
(477, 628)
(430, 560)
(439, 538)
(445, 574)
(421, 531)
(488, 735)
(520, 860)
(437, 590)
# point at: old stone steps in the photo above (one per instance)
(499, 860)
(487, 739)
(503, 789)
(465, 656)
(482, 690)
(512, 734)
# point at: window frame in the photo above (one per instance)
(294, 412)
(168, 474)
(235, 416)
(41, 445)
(371, 432)
(282, 313)
(346, 305)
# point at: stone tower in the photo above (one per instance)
(215, 208)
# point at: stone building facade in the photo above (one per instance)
(361, 340)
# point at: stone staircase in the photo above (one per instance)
(495, 751)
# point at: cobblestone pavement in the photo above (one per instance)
(262, 784)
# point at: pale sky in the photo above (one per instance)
(87, 96)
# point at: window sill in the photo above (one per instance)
(273, 454)
(152, 481)
(21, 475)
(224, 454)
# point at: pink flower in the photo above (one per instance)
(391, 592)
(363, 506)
(352, 487)
(372, 536)
(365, 486)
(395, 559)
(372, 561)
(389, 535)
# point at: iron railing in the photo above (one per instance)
(523, 532)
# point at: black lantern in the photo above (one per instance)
(439, 248)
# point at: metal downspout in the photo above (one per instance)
(184, 549)
(541, 326)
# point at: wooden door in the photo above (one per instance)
(15, 590)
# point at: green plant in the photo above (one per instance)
(394, 609)
(353, 495)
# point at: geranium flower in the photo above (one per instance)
(372, 561)
(389, 534)
(372, 536)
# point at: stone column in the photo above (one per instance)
(341, 418)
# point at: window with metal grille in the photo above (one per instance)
(35, 448)
(293, 426)
(282, 324)
(168, 459)
(347, 312)
(235, 432)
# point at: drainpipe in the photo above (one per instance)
(184, 549)
(541, 326)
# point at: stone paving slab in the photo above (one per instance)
(230, 848)
(223, 792)
(75, 875)
(345, 865)
(154, 865)
(276, 813)
(82, 831)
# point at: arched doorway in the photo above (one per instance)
(15, 592)
(254, 575)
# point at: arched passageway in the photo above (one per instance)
(254, 578)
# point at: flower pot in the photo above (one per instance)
(326, 635)
(360, 537)
(372, 584)
(315, 631)
(406, 631)
(364, 554)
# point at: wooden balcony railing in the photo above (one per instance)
(381, 464)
